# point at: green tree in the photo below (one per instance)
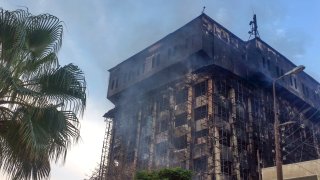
(165, 174)
(39, 99)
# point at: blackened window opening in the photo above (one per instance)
(161, 149)
(180, 142)
(226, 167)
(200, 112)
(163, 125)
(200, 164)
(180, 119)
(182, 96)
(224, 138)
(163, 103)
(202, 133)
(200, 89)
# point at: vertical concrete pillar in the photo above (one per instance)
(217, 154)
(210, 165)
(153, 134)
(170, 122)
(217, 145)
(136, 152)
(189, 161)
(234, 140)
(250, 133)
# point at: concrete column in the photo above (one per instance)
(189, 161)
(217, 146)
(139, 115)
(217, 154)
(210, 165)
(234, 140)
(170, 122)
(250, 133)
(153, 134)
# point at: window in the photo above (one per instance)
(181, 119)
(163, 103)
(291, 80)
(112, 84)
(263, 62)
(158, 60)
(222, 111)
(163, 126)
(200, 112)
(153, 62)
(226, 167)
(180, 142)
(130, 157)
(161, 149)
(268, 63)
(221, 88)
(200, 164)
(278, 72)
(182, 96)
(202, 133)
(295, 83)
(224, 138)
(305, 90)
(200, 89)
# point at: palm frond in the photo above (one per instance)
(44, 34)
(39, 100)
(67, 85)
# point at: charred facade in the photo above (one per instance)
(201, 99)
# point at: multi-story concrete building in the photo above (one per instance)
(201, 99)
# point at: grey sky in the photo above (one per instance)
(101, 33)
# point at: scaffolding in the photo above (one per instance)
(105, 150)
(220, 128)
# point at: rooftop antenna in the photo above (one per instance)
(254, 27)
(203, 9)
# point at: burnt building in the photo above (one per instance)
(201, 99)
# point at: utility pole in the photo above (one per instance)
(278, 157)
(276, 135)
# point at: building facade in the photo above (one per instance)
(201, 99)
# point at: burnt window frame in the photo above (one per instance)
(226, 167)
(161, 148)
(180, 142)
(158, 59)
(200, 88)
(163, 103)
(200, 164)
(181, 96)
(201, 133)
(153, 62)
(180, 119)
(226, 140)
(269, 64)
(163, 126)
(263, 62)
(200, 112)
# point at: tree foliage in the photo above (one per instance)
(39, 99)
(165, 174)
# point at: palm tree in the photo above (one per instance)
(39, 99)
